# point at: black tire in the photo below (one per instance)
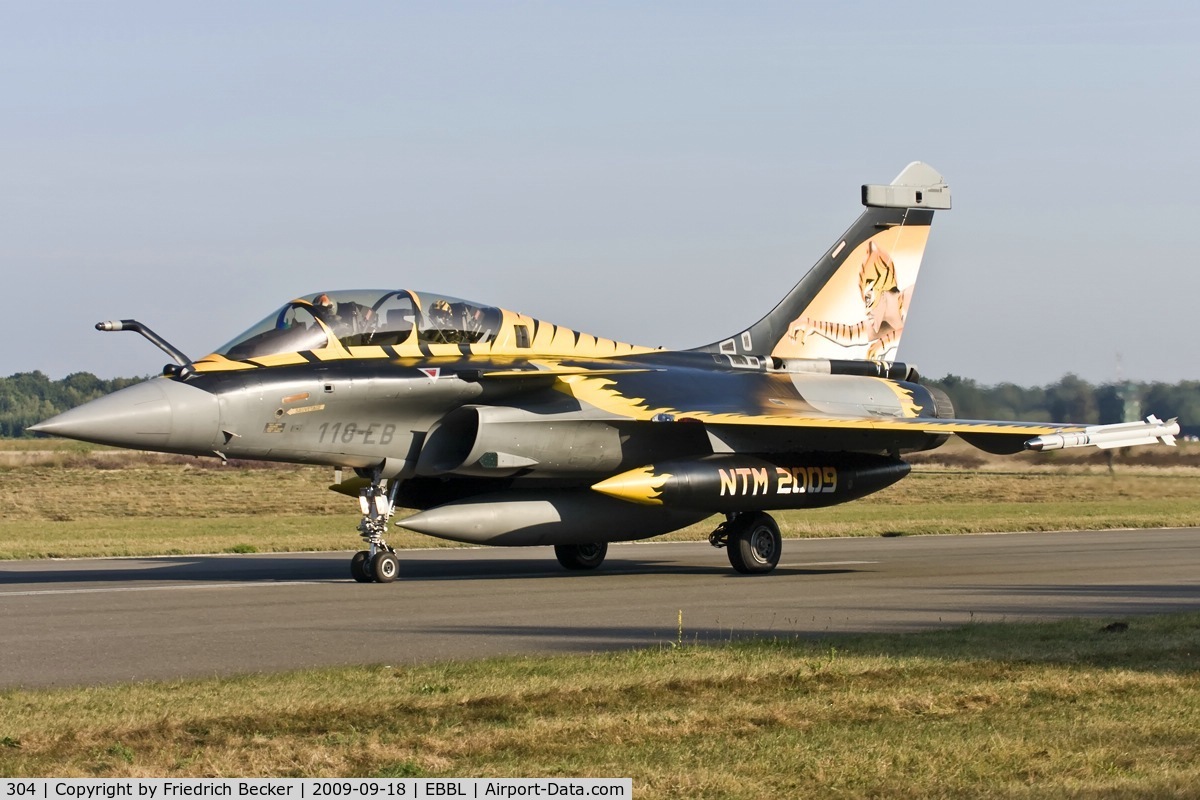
(385, 567)
(754, 544)
(581, 556)
(360, 569)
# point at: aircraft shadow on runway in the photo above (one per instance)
(223, 569)
(518, 568)
(307, 567)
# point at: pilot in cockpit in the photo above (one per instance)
(346, 318)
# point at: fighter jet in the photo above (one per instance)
(497, 428)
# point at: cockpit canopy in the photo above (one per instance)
(364, 318)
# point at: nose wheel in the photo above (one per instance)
(384, 567)
(378, 563)
(360, 567)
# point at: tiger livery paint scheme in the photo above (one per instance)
(497, 428)
(886, 309)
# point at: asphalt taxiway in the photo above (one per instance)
(93, 621)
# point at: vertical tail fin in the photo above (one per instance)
(853, 303)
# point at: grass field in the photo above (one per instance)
(64, 499)
(1032, 710)
(1075, 708)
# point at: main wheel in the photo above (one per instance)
(755, 544)
(581, 556)
(385, 567)
(360, 568)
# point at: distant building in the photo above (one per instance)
(1131, 400)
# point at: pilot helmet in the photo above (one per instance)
(325, 303)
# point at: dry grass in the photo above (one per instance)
(989, 710)
(1045, 710)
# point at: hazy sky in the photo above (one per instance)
(660, 173)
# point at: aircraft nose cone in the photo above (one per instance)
(160, 414)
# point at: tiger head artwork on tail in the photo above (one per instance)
(885, 304)
(853, 303)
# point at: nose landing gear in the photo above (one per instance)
(378, 563)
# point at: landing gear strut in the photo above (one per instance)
(378, 562)
(752, 540)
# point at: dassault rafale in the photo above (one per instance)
(500, 429)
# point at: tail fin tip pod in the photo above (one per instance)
(854, 301)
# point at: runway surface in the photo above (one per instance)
(94, 621)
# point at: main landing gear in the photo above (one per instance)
(378, 562)
(581, 556)
(752, 540)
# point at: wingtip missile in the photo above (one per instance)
(1122, 434)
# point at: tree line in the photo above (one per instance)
(30, 397)
(1072, 399)
(27, 398)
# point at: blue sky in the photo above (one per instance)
(658, 173)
